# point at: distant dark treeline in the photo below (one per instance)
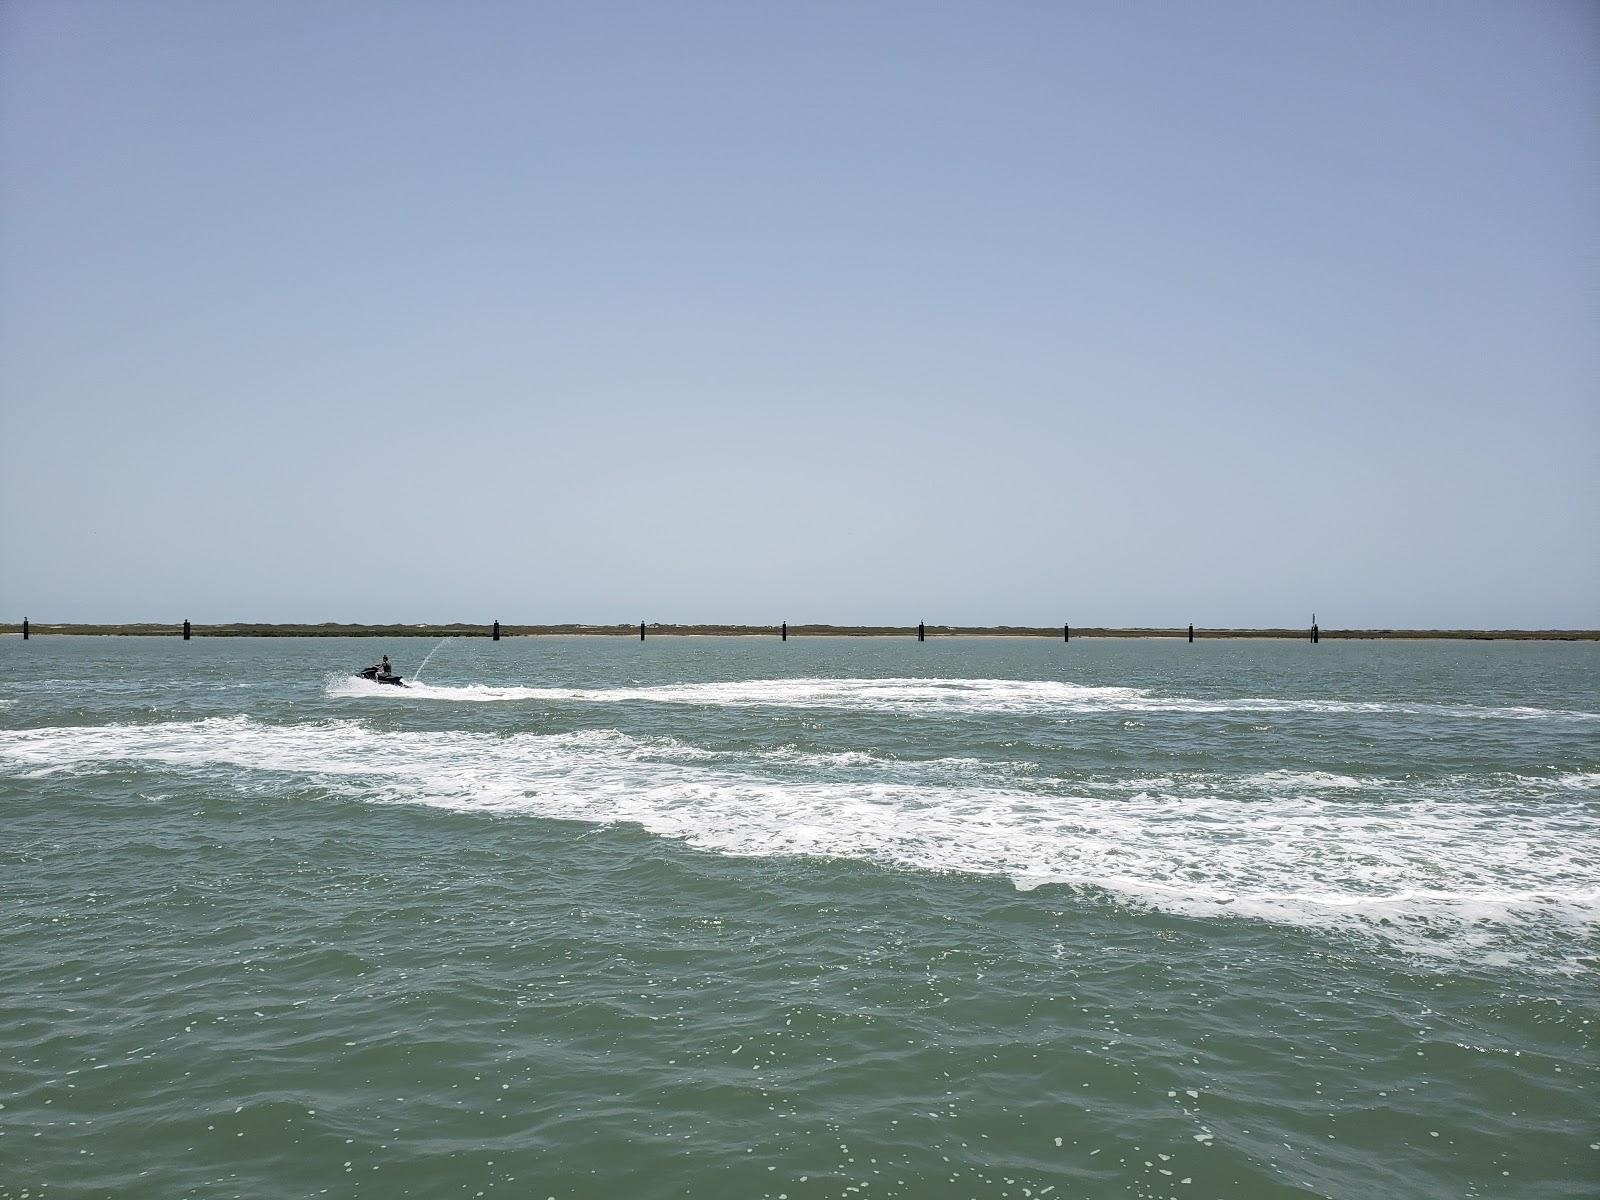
(1087, 631)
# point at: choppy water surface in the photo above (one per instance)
(837, 917)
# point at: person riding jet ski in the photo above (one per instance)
(381, 672)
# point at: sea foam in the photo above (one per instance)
(909, 696)
(1437, 871)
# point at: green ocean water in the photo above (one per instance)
(838, 917)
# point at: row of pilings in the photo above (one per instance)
(783, 631)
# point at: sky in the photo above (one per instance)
(973, 313)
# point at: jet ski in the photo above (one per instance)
(377, 676)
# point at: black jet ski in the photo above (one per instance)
(377, 676)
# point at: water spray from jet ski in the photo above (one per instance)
(429, 658)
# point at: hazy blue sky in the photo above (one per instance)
(970, 312)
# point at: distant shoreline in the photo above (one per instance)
(242, 629)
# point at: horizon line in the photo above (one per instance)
(774, 629)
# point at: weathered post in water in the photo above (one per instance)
(641, 631)
(1191, 633)
(24, 628)
(786, 631)
(497, 631)
(1313, 629)
(922, 633)
(186, 629)
(1066, 633)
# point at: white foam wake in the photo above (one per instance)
(887, 695)
(933, 696)
(1444, 873)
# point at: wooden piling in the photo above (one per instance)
(1066, 633)
(24, 628)
(641, 631)
(922, 633)
(1191, 633)
(786, 631)
(1314, 632)
(497, 631)
(186, 629)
